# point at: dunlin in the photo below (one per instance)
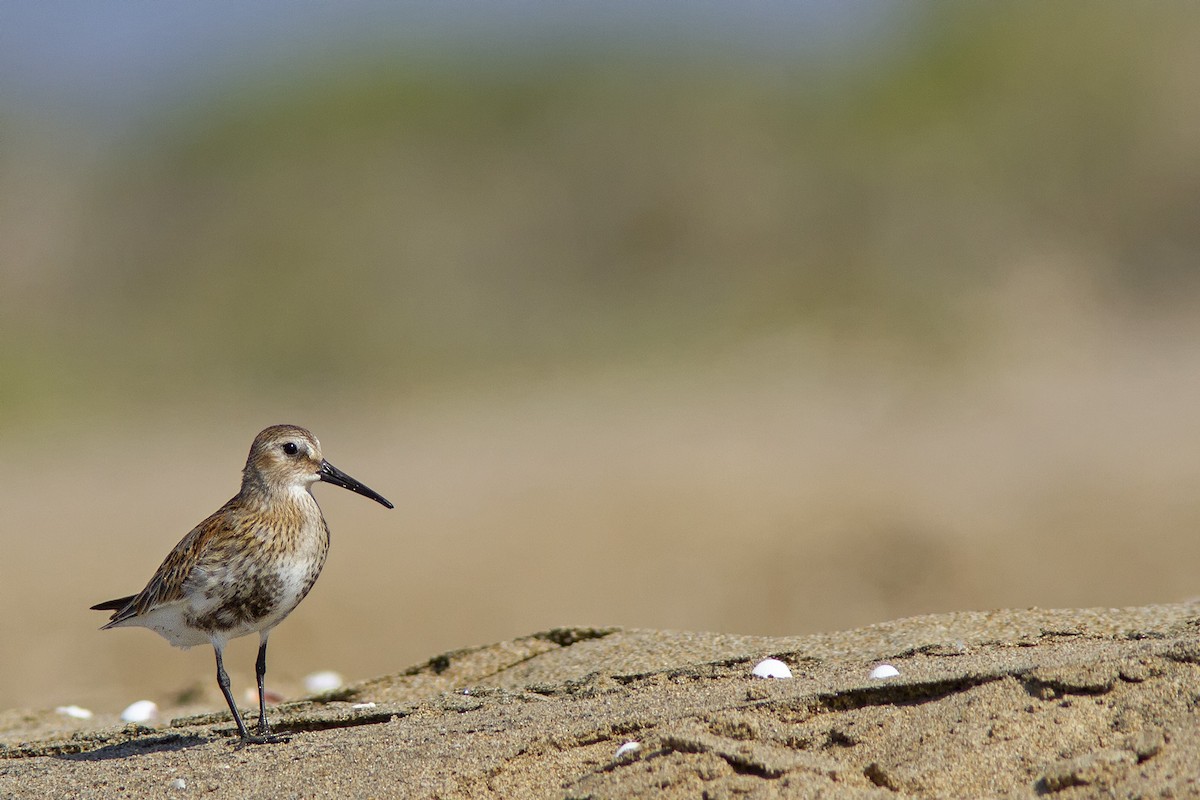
(247, 566)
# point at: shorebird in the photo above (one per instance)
(247, 566)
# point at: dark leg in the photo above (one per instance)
(260, 671)
(223, 682)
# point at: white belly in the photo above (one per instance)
(225, 604)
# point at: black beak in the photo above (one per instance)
(331, 474)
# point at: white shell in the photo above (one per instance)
(771, 668)
(323, 681)
(179, 783)
(74, 711)
(141, 711)
(362, 706)
(883, 672)
(627, 748)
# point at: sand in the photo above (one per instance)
(1026, 703)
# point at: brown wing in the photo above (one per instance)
(167, 585)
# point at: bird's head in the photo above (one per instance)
(288, 458)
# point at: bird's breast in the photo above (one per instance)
(295, 568)
(253, 586)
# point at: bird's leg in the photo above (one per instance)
(260, 671)
(223, 682)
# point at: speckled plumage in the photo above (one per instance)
(246, 567)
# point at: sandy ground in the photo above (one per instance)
(1070, 703)
(761, 493)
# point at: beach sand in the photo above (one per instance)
(1018, 703)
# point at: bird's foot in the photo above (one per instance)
(265, 738)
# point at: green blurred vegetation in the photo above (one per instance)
(377, 223)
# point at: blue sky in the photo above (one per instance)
(108, 60)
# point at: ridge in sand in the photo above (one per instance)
(1021, 703)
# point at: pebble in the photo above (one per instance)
(141, 711)
(771, 668)
(323, 681)
(627, 748)
(74, 711)
(883, 672)
(251, 696)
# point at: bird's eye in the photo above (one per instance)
(291, 448)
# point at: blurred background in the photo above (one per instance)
(768, 318)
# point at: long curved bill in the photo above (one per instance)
(331, 474)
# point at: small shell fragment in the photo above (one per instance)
(883, 672)
(251, 696)
(771, 668)
(74, 711)
(323, 681)
(141, 711)
(179, 783)
(362, 706)
(627, 748)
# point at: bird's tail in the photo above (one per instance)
(122, 609)
(114, 605)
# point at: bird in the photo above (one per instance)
(248, 565)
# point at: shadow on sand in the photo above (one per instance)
(139, 746)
